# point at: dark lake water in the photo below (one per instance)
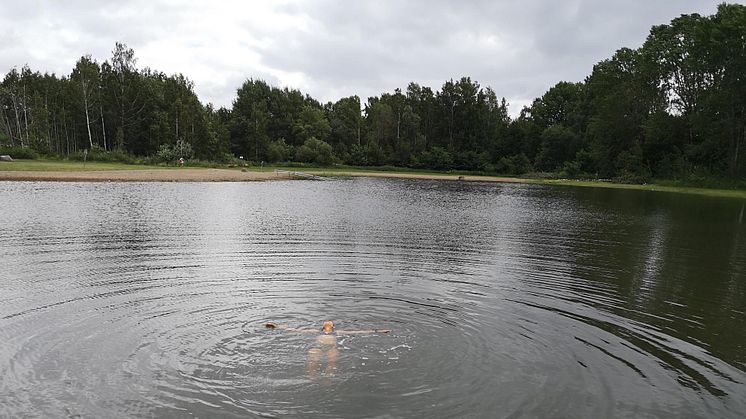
(148, 300)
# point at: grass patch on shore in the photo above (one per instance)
(727, 193)
(70, 166)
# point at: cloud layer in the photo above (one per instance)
(330, 49)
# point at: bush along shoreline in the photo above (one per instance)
(114, 160)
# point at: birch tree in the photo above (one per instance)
(86, 75)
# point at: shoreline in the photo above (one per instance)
(723, 193)
(425, 176)
(143, 175)
(198, 174)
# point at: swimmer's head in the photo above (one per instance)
(328, 326)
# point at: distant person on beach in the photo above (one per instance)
(181, 162)
(326, 344)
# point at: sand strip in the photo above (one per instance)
(172, 175)
(217, 175)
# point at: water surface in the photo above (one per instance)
(148, 300)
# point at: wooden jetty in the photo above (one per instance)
(300, 175)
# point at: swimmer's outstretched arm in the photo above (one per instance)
(362, 332)
(291, 329)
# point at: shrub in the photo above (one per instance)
(514, 165)
(436, 158)
(365, 155)
(229, 159)
(630, 168)
(588, 161)
(278, 151)
(571, 169)
(171, 153)
(315, 151)
(100, 155)
(471, 160)
(20, 152)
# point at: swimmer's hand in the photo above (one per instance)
(383, 330)
(273, 326)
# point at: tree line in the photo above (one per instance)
(673, 108)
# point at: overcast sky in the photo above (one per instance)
(332, 49)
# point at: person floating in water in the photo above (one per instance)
(326, 344)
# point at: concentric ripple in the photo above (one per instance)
(149, 300)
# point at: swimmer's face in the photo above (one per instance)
(328, 326)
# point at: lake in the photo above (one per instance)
(504, 300)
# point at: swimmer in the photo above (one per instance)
(326, 344)
(327, 328)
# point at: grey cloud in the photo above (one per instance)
(343, 48)
(542, 42)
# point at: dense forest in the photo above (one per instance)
(673, 108)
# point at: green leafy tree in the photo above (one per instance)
(312, 123)
(559, 144)
(345, 123)
(86, 76)
(278, 151)
(315, 151)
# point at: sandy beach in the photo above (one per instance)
(217, 175)
(174, 175)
